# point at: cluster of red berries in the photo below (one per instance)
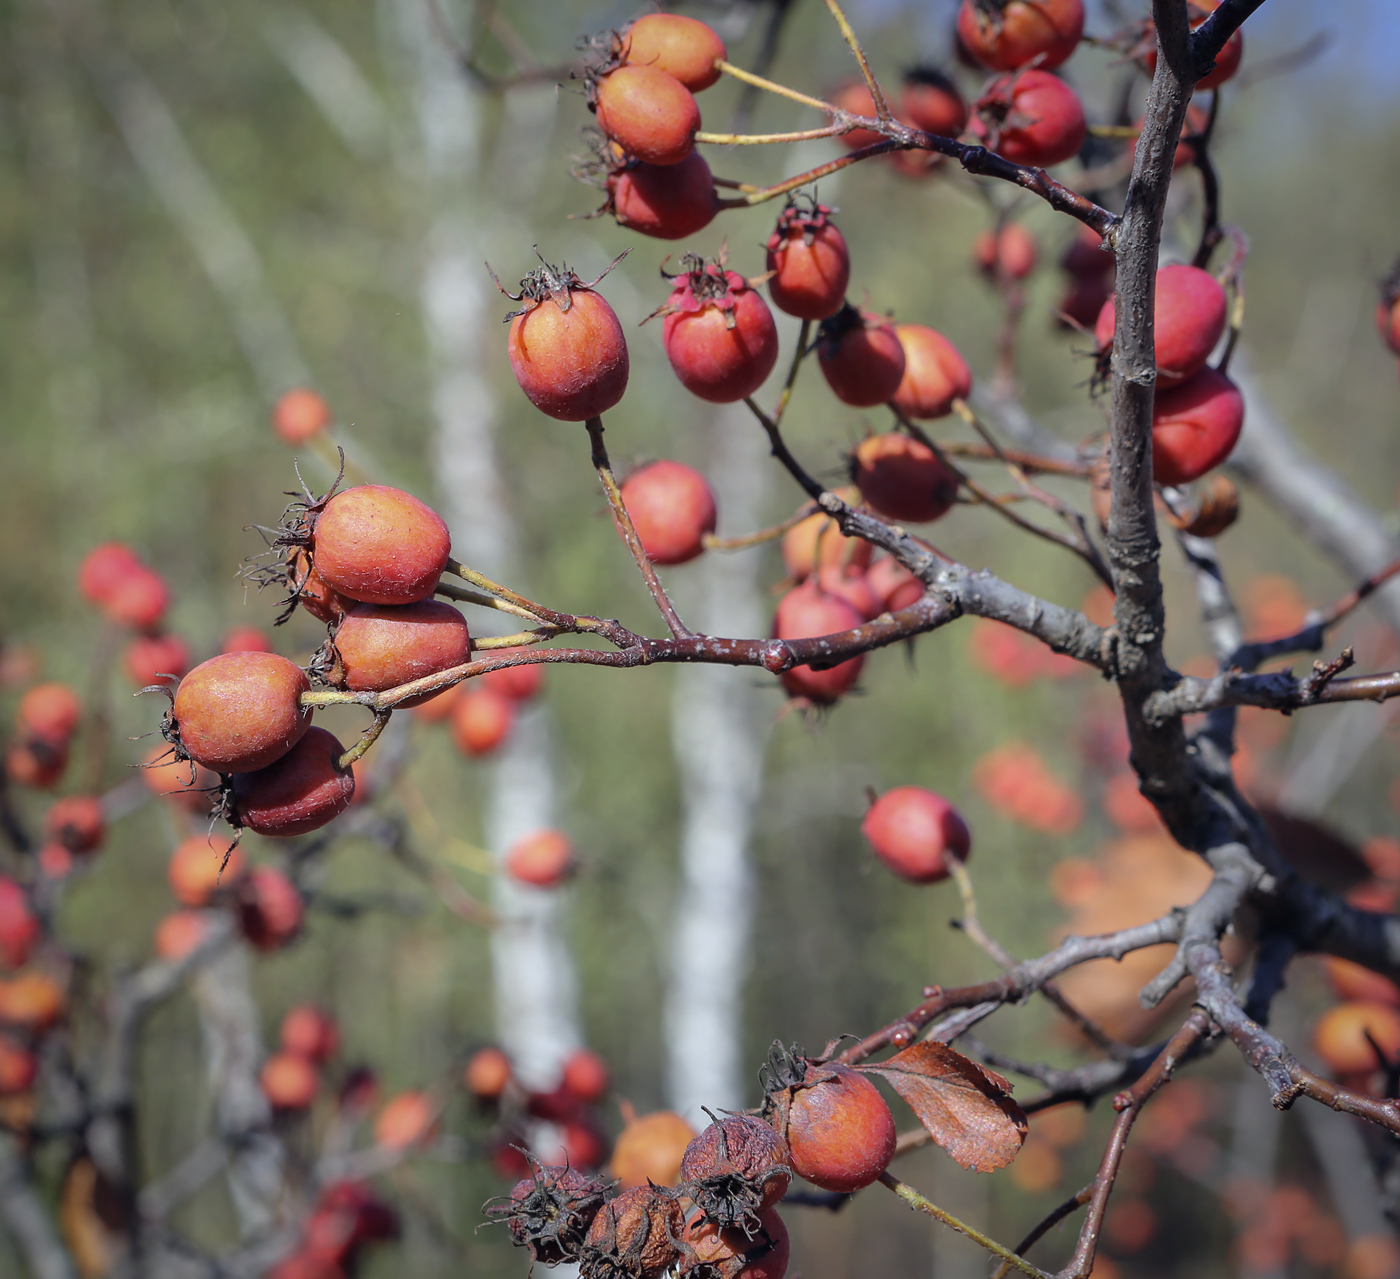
(291, 1076)
(345, 1217)
(32, 1001)
(480, 713)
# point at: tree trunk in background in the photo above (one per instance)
(720, 723)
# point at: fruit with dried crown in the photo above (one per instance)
(647, 112)
(1005, 36)
(550, 1212)
(718, 332)
(1032, 118)
(734, 1169)
(238, 712)
(809, 263)
(633, 1235)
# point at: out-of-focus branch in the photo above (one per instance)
(27, 1218)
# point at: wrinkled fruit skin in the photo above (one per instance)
(1188, 319)
(572, 365)
(734, 1169)
(238, 712)
(861, 358)
(673, 508)
(550, 1212)
(839, 1130)
(382, 646)
(380, 545)
(682, 47)
(719, 336)
(903, 478)
(1024, 30)
(913, 830)
(299, 793)
(632, 1236)
(648, 113)
(810, 264)
(1038, 119)
(665, 201)
(807, 611)
(1195, 427)
(935, 373)
(715, 1253)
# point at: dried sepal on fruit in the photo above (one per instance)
(711, 1252)
(634, 1236)
(734, 1169)
(550, 1211)
(809, 263)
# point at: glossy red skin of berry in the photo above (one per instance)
(855, 98)
(586, 1078)
(289, 1081)
(270, 909)
(481, 719)
(913, 831)
(77, 822)
(544, 859)
(1010, 253)
(810, 265)
(382, 646)
(932, 103)
(49, 711)
(299, 415)
(155, 659)
(650, 114)
(298, 793)
(894, 585)
(139, 599)
(200, 867)
(19, 926)
(808, 611)
(310, 1032)
(672, 507)
(238, 712)
(903, 478)
(839, 1130)
(519, 683)
(665, 201)
(1043, 120)
(1025, 30)
(104, 568)
(713, 360)
(1189, 317)
(572, 365)
(864, 363)
(682, 47)
(1195, 427)
(406, 1120)
(935, 373)
(724, 1249)
(380, 545)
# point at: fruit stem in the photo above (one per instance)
(803, 334)
(882, 108)
(771, 86)
(367, 739)
(917, 1201)
(713, 543)
(484, 583)
(764, 194)
(763, 139)
(463, 595)
(519, 640)
(629, 532)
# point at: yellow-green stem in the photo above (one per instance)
(917, 1201)
(771, 86)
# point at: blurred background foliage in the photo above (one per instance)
(134, 408)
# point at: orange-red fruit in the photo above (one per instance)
(1227, 61)
(544, 858)
(438, 707)
(935, 373)
(405, 1121)
(36, 763)
(930, 101)
(34, 1001)
(200, 866)
(586, 1077)
(682, 47)
(138, 599)
(839, 1129)
(481, 719)
(894, 585)
(76, 822)
(270, 909)
(238, 712)
(179, 933)
(665, 201)
(299, 415)
(383, 646)
(155, 659)
(861, 357)
(1037, 119)
(807, 611)
(719, 335)
(1021, 32)
(49, 711)
(809, 263)
(1188, 318)
(1352, 981)
(19, 1068)
(1008, 254)
(571, 364)
(913, 831)
(1195, 426)
(380, 545)
(1341, 1036)
(1388, 323)
(488, 1073)
(650, 1148)
(289, 1081)
(104, 568)
(855, 98)
(519, 683)
(311, 591)
(672, 507)
(299, 793)
(903, 478)
(245, 639)
(310, 1032)
(854, 587)
(818, 543)
(732, 1253)
(648, 113)
(19, 927)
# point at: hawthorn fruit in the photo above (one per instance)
(382, 646)
(861, 357)
(935, 373)
(1195, 426)
(902, 478)
(718, 332)
(673, 508)
(685, 48)
(1006, 36)
(379, 545)
(914, 831)
(647, 112)
(298, 793)
(808, 262)
(238, 712)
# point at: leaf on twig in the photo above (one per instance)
(966, 1108)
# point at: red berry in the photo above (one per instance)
(238, 712)
(49, 711)
(245, 639)
(1189, 316)
(270, 909)
(36, 763)
(650, 1148)
(935, 374)
(807, 611)
(1008, 254)
(488, 1074)
(666, 201)
(381, 646)
(31, 1000)
(200, 866)
(585, 1078)
(19, 1068)
(519, 683)
(855, 98)
(648, 113)
(736, 1168)
(179, 934)
(640, 1228)
(1086, 257)
(289, 1081)
(299, 415)
(838, 1128)
(818, 543)
(894, 585)
(853, 586)
(860, 356)
(405, 1121)
(104, 568)
(438, 707)
(310, 1032)
(567, 349)
(682, 47)
(913, 831)
(544, 859)
(380, 545)
(903, 478)
(139, 599)
(1031, 118)
(311, 592)
(155, 659)
(673, 509)
(77, 823)
(481, 720)
(809, 263)
(1195, 427)
(930, 101)
(718, 333)
(19, 926)
(1388, 323)
(299, 793)
(1194, 123)
(1005, 37)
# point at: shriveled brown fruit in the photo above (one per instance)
(633, 1236)
(734, 1169)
